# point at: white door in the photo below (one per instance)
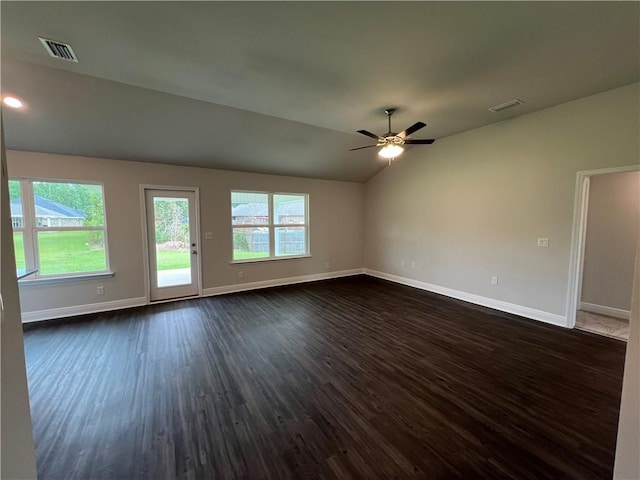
(173, 243)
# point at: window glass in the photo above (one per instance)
(60, 204)
(18, 243)
(269, 225)
(249, 208)
(290, 241)
(289, 209)
(250, 243)
(71, 252)
(15, 201)
(61, 229)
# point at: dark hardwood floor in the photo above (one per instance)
(348, 378)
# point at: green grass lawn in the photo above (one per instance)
(68, 252)
(171, 259)
(19, 249)
(242, 255)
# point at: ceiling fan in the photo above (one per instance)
(392, 143)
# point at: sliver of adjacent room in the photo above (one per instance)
(324, 240)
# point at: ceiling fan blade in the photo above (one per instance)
(412, 129)
(360, 148)
(369, 134)
(426, 141)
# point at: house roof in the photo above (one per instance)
(47, 208)
(302, 76)
(295, 209)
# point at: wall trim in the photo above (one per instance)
(578, 233)
(526, 312)
(76, 310)
(277, 282)
(602, 310)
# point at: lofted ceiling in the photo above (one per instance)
(281, 87)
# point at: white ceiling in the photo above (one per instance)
(281, 87)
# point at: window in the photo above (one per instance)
(58, 227)
(269, 225)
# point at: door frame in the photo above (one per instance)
(145, 236)
(578, 234)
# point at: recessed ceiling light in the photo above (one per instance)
(12, 102)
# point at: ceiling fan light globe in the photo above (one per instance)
(390, 151)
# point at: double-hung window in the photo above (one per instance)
(58, 227)
(269, 225)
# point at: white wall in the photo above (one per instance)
(17, 460)
(613, 224)
(336, 218)
(472, 205)
(627, 464)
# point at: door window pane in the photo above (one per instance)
(173, 253)
(71, 252)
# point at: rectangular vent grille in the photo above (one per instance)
(59, 49)
(505, 105)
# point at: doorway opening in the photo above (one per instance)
(605, 232)
(171, 234)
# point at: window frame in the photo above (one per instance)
(30, 230)
(271, 227)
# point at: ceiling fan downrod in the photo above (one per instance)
(388, 112)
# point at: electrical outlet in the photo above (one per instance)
(413, 264)
(327, 265)
(100, 290)
(494, 280)
(240, 274)
(208, 236)
(543, 242)
(402, 263)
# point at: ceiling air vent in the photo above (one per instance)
(503, 106)
(59, 49)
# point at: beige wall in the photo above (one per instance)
(613, 223)
(17, 460)
(336, 216)
(472, 205)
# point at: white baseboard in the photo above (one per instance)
(608, 311)
(527, 312)
(76, 310)
(542, 316)
(242, 287)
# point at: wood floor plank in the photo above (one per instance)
(347, 378)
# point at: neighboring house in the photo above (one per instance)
(48, 214)
(257, 214)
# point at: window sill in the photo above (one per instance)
(268, 259)
(70, 278)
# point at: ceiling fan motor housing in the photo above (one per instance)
(394, 141)
(391, 138)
